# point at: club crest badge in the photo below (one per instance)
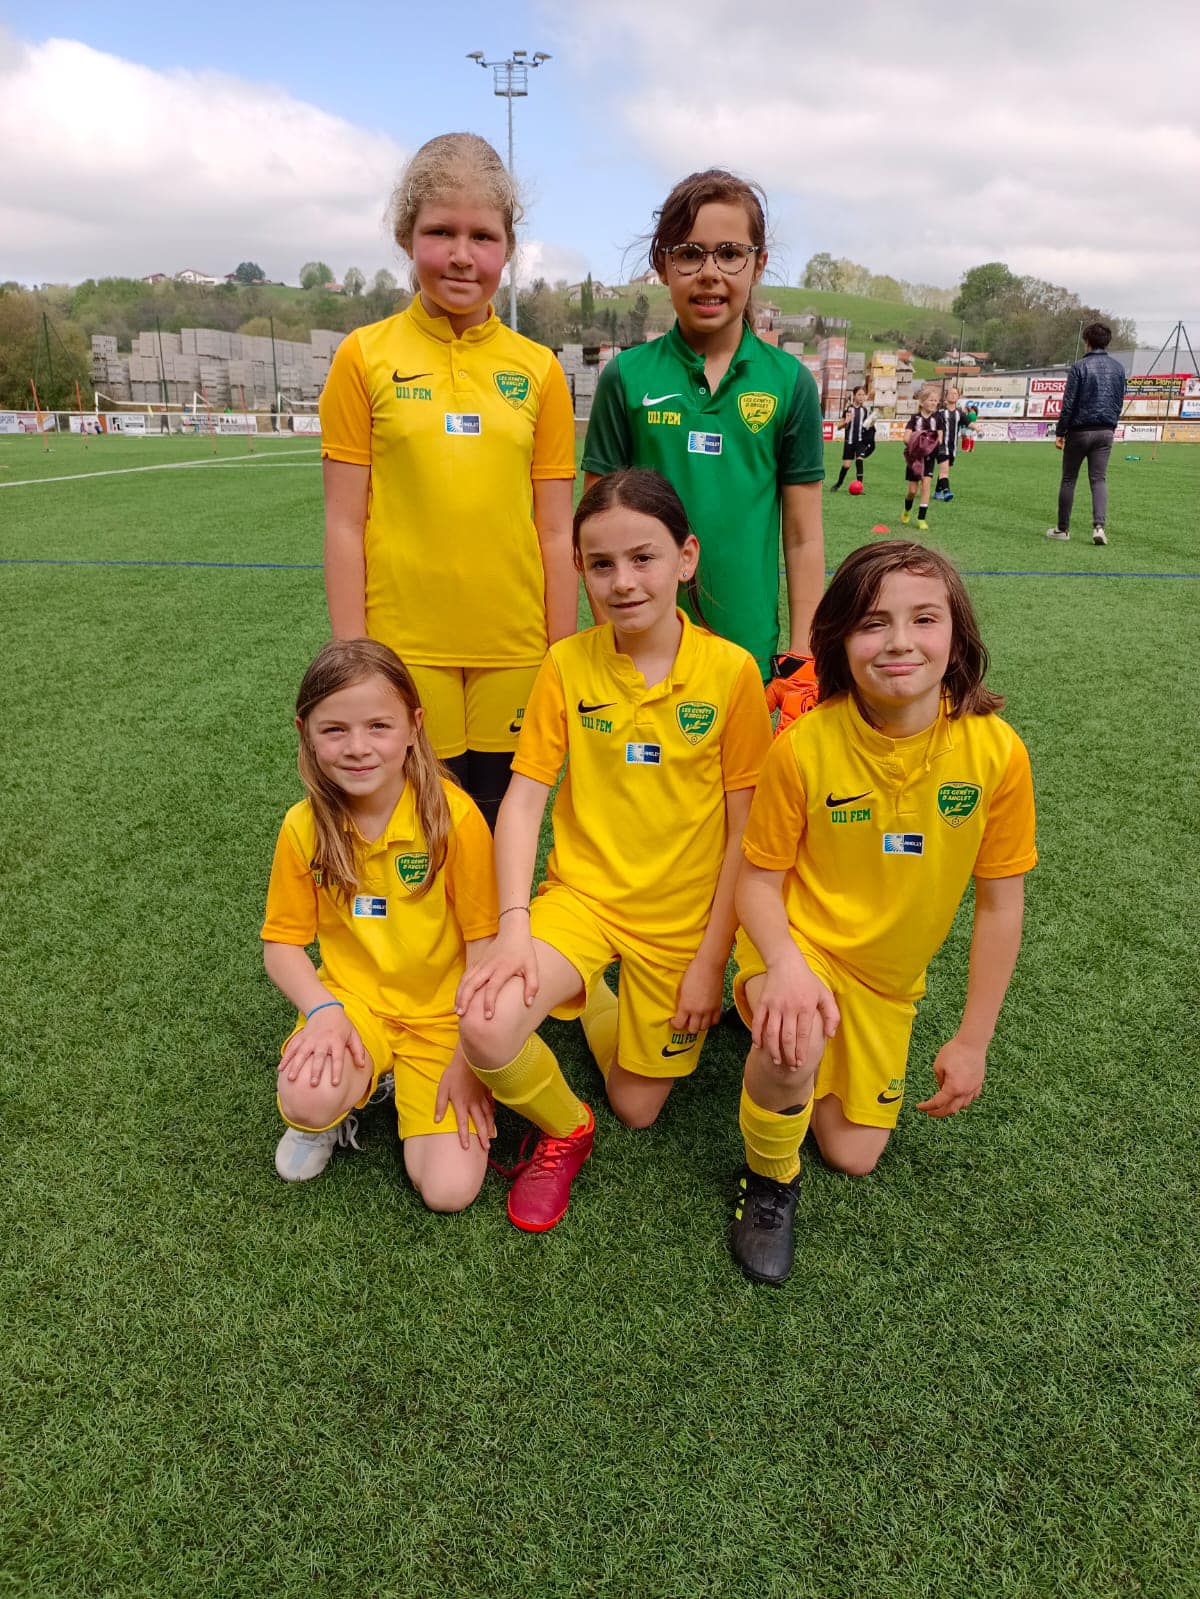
(695, 718)
(513, 387)
(757, 410)
(412, 869)
(957, 801)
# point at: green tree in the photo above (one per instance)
(819, 272)
(984, 291)
(384, 282)
(250, 272)
(883, 287)
(636, 320)
(851, 277)
(315, 275)
(542, 314)
(353, 282)
(587, 302)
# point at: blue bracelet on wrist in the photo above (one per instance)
(324, 1005)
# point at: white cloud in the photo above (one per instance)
(538, 259)
(115, 168)
(1062, 139)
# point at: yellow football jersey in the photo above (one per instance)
(879, 837)
(402, 955)
(455, 432)
(639, 820)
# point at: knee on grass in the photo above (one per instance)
(448, 1192)
(637, 1101)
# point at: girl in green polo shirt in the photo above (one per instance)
(732, 423)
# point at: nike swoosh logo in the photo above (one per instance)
(659, 398)
(847, 799)
(412, 376)
(887, 1099)
(602, 705)
(667, 1053)
(514, 727)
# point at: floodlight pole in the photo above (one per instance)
(510, 81)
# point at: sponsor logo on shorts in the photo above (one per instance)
(681, 1044)
(412, 869)
(757, 410)
(957, 801)
(892, 1094)
(515, 725)
(696, 719)
(512, 387)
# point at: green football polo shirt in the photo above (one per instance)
(727, 455)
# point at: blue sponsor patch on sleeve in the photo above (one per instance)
(704, 443)
(643, 754)
(904, 843)
(463, 422)
(370, 905)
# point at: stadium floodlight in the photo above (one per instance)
(510, 80)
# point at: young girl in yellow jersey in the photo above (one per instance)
(388, 866)
(872, 815)
(663, 727)
(449, 451)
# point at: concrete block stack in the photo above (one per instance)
(581, 378)
(227, 369)
(881, 383)
(832, 353)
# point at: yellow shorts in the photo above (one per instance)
(416, 1058)
(647, 991)
(473, 707)
(865, 1061)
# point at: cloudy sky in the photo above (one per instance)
(1060, 136)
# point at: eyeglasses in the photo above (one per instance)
(729, 258)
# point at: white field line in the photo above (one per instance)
(163, 466)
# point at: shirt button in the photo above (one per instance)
(461, 373)
(703, 390)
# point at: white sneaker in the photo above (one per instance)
(1099, 536)
(300, 1156)
(1056, 533)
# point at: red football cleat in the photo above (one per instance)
(541, 1191)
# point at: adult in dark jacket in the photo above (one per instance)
(1091, 409)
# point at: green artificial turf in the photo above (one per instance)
(980, 1380)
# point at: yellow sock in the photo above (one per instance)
(773, 1141)
(533, 1085)
(600, 1023)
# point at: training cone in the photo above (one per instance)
(880, 528)
(856, 487)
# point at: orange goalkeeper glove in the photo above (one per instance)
(792, 690)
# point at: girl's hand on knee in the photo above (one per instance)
(326, 1044)
(701, 991)
(960, 1069)
(460, 1088)
(792, 997)
(511, 955)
